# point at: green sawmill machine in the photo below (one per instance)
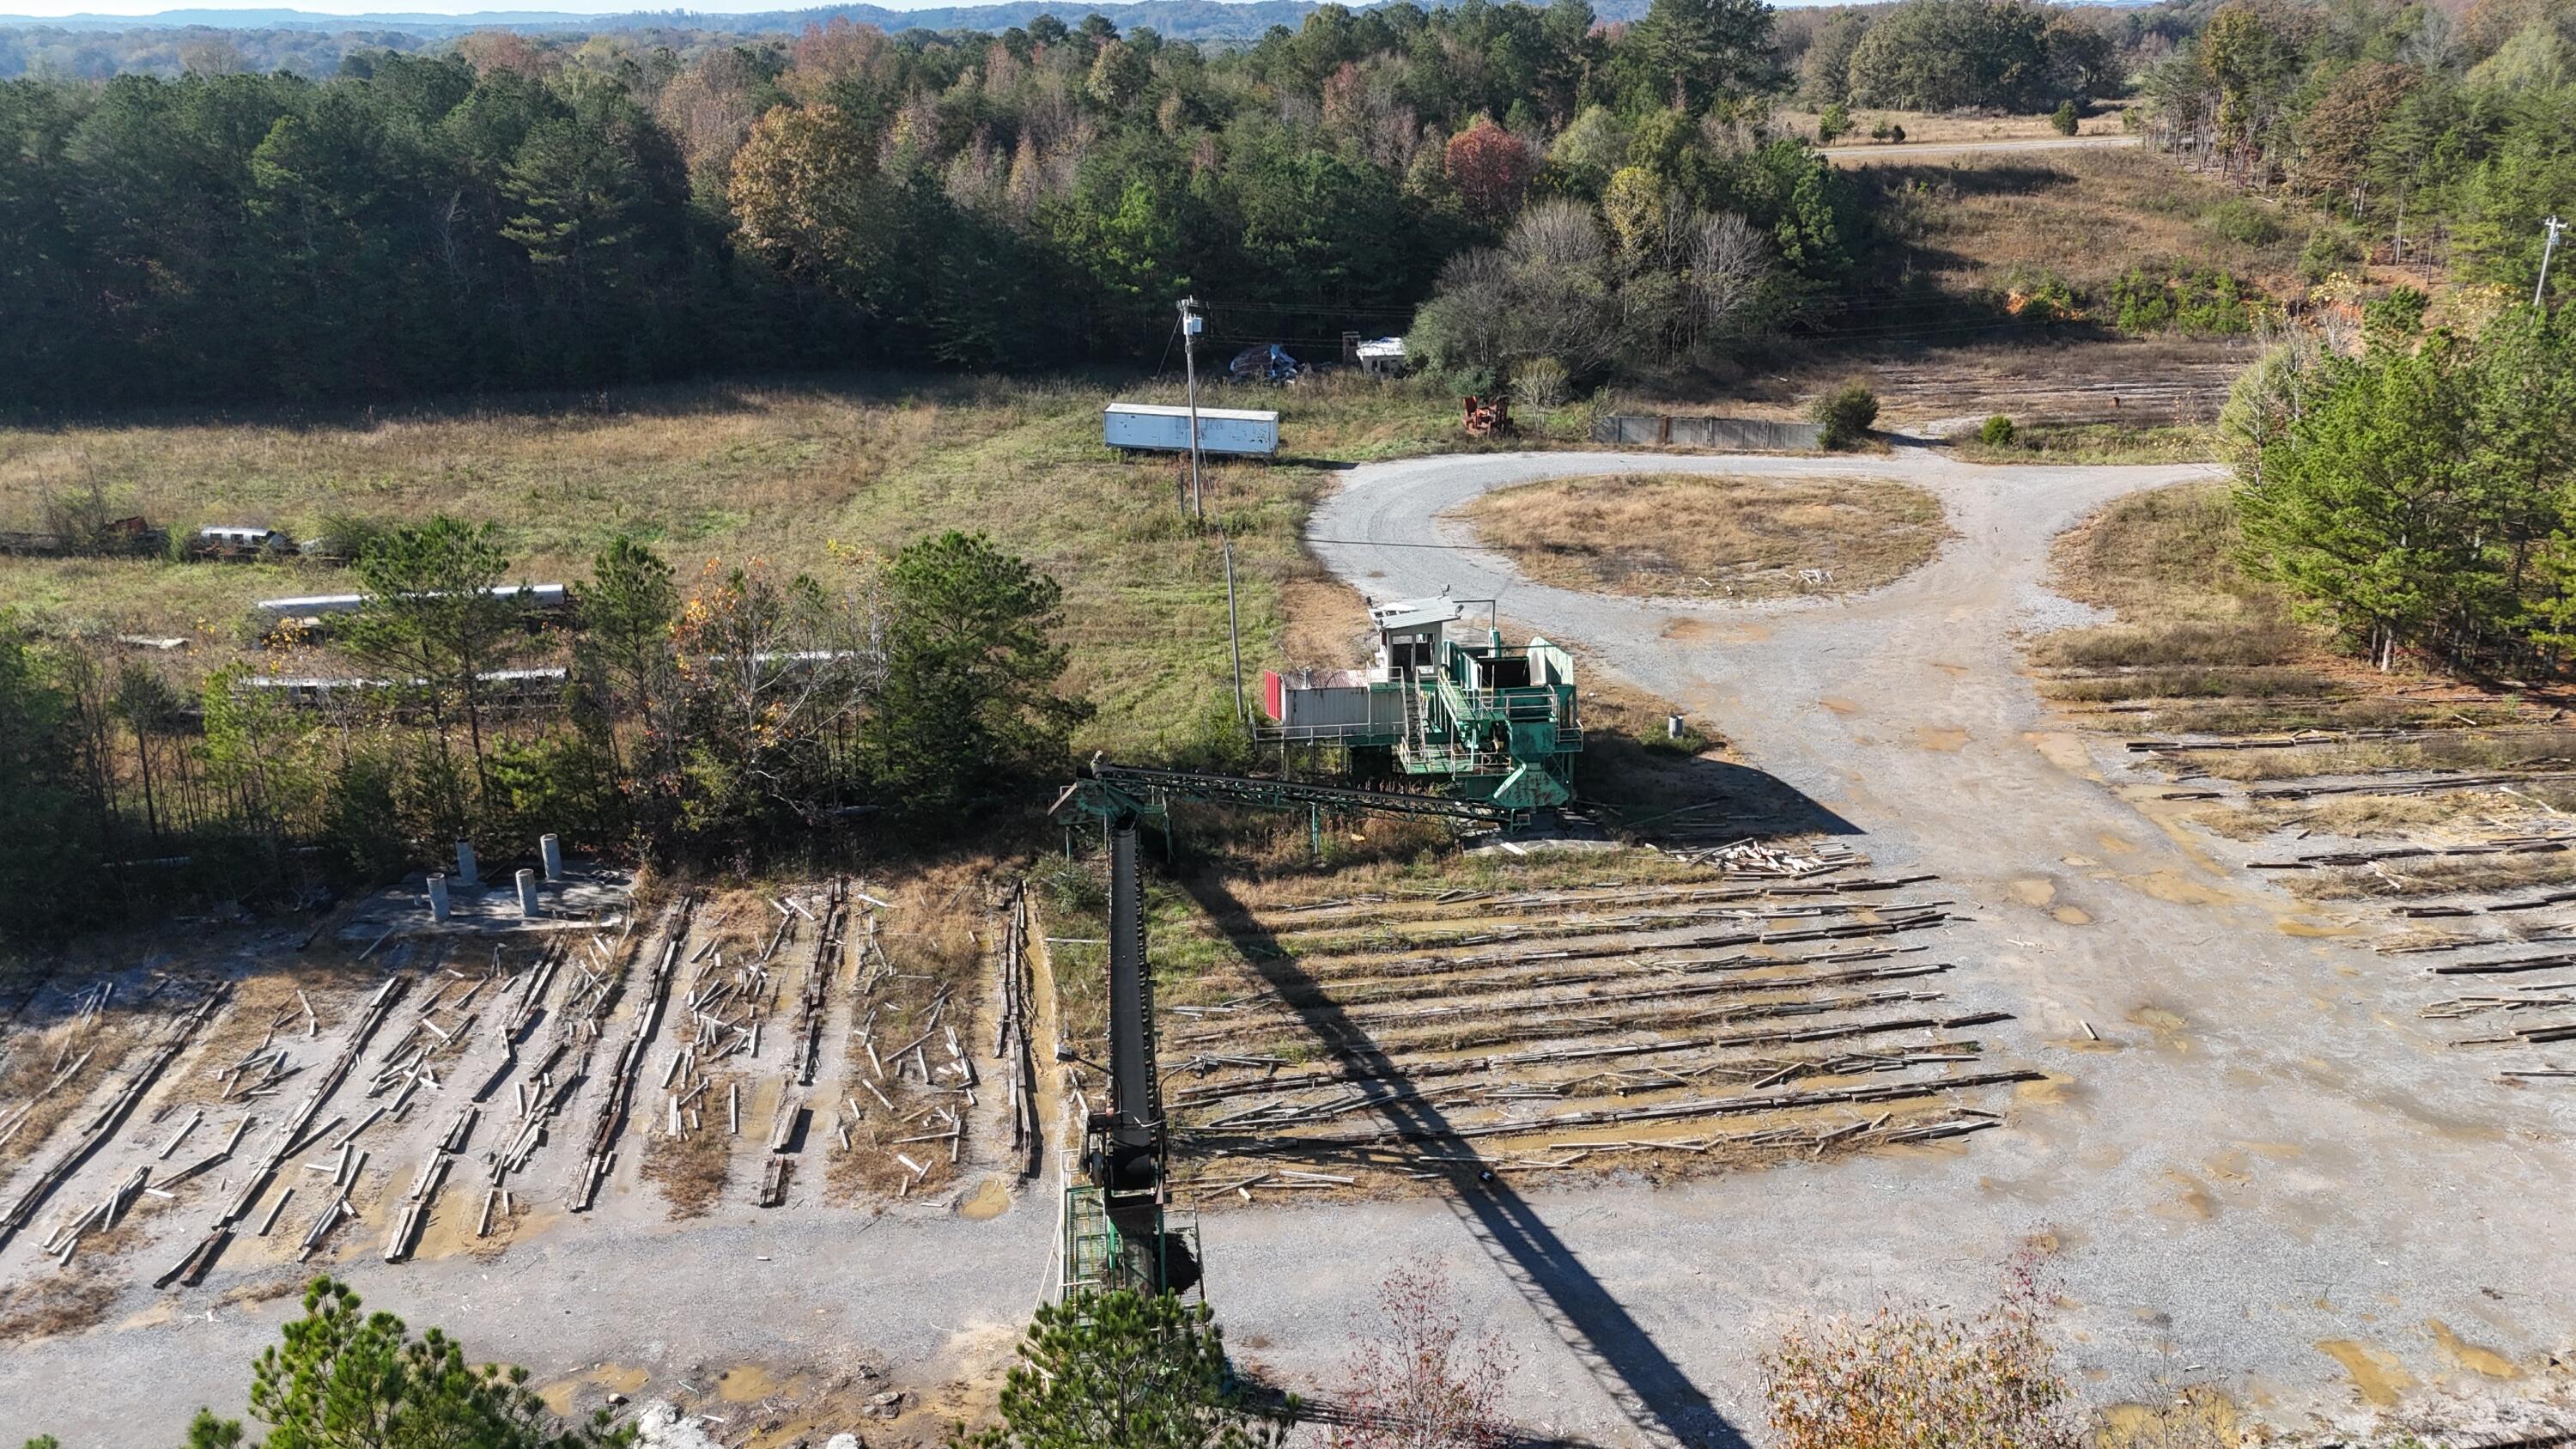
(1116, 1232)
(1452, 705)
(1485, 733)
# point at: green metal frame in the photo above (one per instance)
(1106, 791)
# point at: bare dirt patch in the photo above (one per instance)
(1696, 536)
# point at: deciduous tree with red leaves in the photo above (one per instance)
(1491, 169)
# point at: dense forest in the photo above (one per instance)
(507, 213)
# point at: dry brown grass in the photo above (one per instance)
(2459, 815)
(2087, 443)
(56, 1304)
(1972, 222)
(930, 937)
(1935, 128)
(36, 1057)
(691, 1170)
(2207, 649)
(2477, 751)
(2401, 879)
(1693, 535)
(2215, 648)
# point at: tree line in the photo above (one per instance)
(509, 213)
(721, 718)
(2413, 494)
(2425, 135)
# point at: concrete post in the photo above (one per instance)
(465, 869)
(550, 850)
(1672, 727)
(438, 898)
(528, 893)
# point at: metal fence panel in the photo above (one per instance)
(1664, 430)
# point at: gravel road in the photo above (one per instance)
(2262, 1176)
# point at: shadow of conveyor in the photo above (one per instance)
(1642, 789)
(1651, 1391)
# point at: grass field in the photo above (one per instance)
(1977, 223)
(2087, 443)
(1951, 128)
(1690, 535)
(2199, 644)
(793, 476)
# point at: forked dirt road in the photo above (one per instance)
(2263, 1176)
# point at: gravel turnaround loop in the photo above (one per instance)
(2261, 1154)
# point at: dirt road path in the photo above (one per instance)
(2261, 1176)
(1926, 150)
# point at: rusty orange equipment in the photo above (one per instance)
(1489, 417)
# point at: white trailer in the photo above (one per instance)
(1237, 432)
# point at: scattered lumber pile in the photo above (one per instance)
(808, 1035)
(293, 1135)
(1753, 859)
(579, 1022)
(66, 1236)
(919, 1097)
(101, 1127)
(424, 1188)
(619, 1091)
(2432, 784)
(2513, 845)
(1011, 1034)
(1658, 1112)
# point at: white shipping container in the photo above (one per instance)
(1234, 431)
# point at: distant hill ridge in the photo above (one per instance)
(1180, 19)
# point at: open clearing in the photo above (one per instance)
(1640, 1107)
(2257, 1164)
(1692, 536)
(805, 476)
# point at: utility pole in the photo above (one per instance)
(1191, 325)
(2548, 249)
